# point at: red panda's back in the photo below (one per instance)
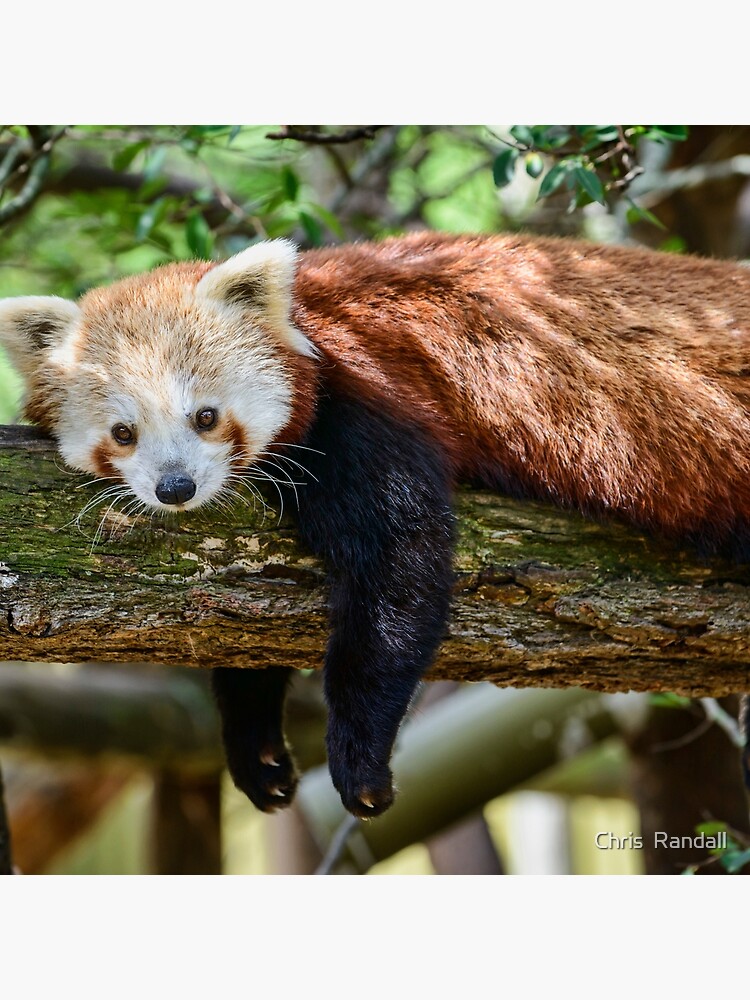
(608, 378)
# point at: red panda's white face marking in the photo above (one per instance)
(169, 383)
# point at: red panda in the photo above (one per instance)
(611, 380)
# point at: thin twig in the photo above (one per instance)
(724, 720)
(683, 741)
(374, 156)
(12, 155)
(29, 191)
(306, 134)
(714, 714)
(35, 166)
(336, 848)
(660, 186)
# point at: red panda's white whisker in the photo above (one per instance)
(245, 480)
(132, 506)
(99, 479)
(229, 491)
(108, 490)
(265, 475)
(98, 498)
(132, 512)
(221, 503)
(286, 458)
(65, 472)
(225, 505)
(100, 527)
(302, 447)
(256, 495)
(287, 481)
(252, 458)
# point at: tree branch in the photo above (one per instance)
(35, 165)
(309, 134)
(542, 597)
(88, 174)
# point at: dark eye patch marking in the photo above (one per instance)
(103, 464)
(234, 434)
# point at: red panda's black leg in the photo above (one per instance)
(379, 514)
(251, 706)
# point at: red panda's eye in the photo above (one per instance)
(123, 434)
(205, 418)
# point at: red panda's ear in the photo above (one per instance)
(260, 280)
(31, 326)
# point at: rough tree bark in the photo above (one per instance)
(542, 597)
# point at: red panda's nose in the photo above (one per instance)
(175, 487)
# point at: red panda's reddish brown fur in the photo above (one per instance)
(604, 378)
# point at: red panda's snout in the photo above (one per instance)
(175, 488)
(171, 468)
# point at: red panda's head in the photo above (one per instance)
(170, 381)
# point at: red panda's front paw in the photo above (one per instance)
(269, 779)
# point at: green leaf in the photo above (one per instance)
(666, 699)
(636, 213)
(504, 167)
(607, 133)
(673, 244)
(312, 228)
(123, 159)
(155, 163)
(549, 137)
(596, 134)
(599, 135)
(523, 135)
(289, 183)
(329, 219)
(553, 179)
(199, 236)
(673, 133)
(733, 861)
(199, 131)
(148, 218)
(149, 189)
(159, 238)
(711, 827)
(534, 164)
(589, 182)
(203, 195)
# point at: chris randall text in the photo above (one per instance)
(631, 841)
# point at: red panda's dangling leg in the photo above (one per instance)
(251, 705)
(378, 512)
